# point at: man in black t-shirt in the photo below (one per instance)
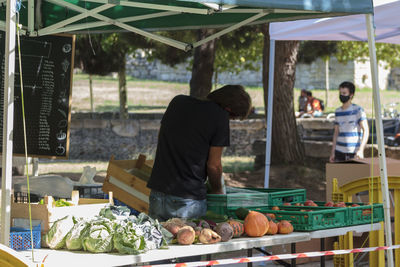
(192, 135)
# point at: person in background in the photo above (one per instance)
(313, 106)
(302, 102)
(351, 127)
(192, 136)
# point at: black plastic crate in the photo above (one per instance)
(22, 197)
(90, 191)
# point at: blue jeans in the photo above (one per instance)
(164, 206)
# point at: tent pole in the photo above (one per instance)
(270, 101)
(379, 131)
(31, 15)
(8, 122)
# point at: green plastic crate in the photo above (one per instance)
(251, 198)
(315, 218)
(360, 214)
(233, 199)
(278, 196)
(322, 203)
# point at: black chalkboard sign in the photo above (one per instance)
(47, 65)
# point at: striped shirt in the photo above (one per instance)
(350, 135)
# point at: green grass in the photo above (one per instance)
(237, 164)
(129, 79)
(154, 96)
(143, 95)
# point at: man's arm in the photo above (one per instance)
(214, 169)
(365, 129)
(335, 135)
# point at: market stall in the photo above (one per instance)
(243, 219)
(143, 18)
(56, 257)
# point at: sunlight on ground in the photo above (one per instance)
(230, 164)
(70, 167)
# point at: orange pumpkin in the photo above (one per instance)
(273, 228)
(285, 227)
(238, 228)
(256, 224)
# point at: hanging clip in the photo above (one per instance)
(18, 5)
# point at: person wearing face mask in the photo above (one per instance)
(351, 127)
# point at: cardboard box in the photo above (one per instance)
(348, 171)
(47, 213)
(127, 179)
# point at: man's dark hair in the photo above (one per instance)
(233, 97)
(309, 93)
(348, 85)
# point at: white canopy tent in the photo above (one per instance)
(348, 28)
(383, 27)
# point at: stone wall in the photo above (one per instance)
(98, 136)
(309, 76)
(362, 75)
(313, 76)
(394, 79)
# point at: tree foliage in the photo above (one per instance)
(389, 53)
(101, 54)
(169, 55)
(91, 57)
(345, 51)
(239, 50)
(309, 51)
(236, 51)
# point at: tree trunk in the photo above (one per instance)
(326, 80)
(203, 66)
(123, 102)
(215, 79)
(286, 145)
(91, 94)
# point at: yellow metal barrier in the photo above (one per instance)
(376, 238)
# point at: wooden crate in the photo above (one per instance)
(127, 179)
(47, 213)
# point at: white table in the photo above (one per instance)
(60, 258)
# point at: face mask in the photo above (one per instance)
(344, 98)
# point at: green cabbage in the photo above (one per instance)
(127, 240)
(112, 212)
(98, 237)
(73, 240)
